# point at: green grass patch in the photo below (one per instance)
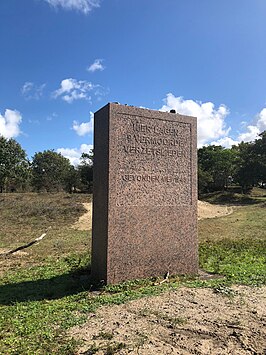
(48, 291)
(39, 304)
(242, 261)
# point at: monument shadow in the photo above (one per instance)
(56, 287)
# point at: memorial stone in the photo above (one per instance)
(144, 194)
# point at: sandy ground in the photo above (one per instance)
(85, 221)
(205, 210)
(185, 321)
(17, 253)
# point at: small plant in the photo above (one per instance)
(224, 290)
(93, 349)
(142, 338)
(113, 348)
(73, 262)
(178, 320)
(173, 321)
(104, 335)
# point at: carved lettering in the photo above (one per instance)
(157, 141)
(154, 162)
(151, 178)
(140, 127)
(140, 150)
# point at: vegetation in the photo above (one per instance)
(48, 172)
(14, 167)
(218, 168)
(47, 291)
(85, 170)
(244, 164)
(235, 246)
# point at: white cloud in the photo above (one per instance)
(27, 87)
(97, 65)
(253, 131)
(250, 135)
(52, 116)
(211, 121)
(84, 6)
(74, 154)
(9, 124)
(226, 142)
(72, 89)
(30, 91)
(261, 123)
(84, 127)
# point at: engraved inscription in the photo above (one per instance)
(153, 162)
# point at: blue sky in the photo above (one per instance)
(62, 60)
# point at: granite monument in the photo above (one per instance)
(144, 194)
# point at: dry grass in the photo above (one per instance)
(25, 217)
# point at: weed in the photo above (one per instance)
(113, 348)
(104, 335)
(173, 321)
(93, 349)
(178, 320)
(110, 349)
(224, 290)
(142, 338)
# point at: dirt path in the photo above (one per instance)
(85, 221)
(205, 210)
(185, 321)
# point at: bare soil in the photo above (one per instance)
(85, 221)
(207, 210)
(17, 253)
(185, 321)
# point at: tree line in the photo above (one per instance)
(48, 171)
(243, 164)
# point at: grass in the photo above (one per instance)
(232, 196)
(48, 291)
(110, 349)
(25, 217)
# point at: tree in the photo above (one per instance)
(217, 165)
(259, 151)
(86, 171)
(50, 171)
(87, 158)
(251, 167)
(72, 180)
(204, 180)
(14, 166)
